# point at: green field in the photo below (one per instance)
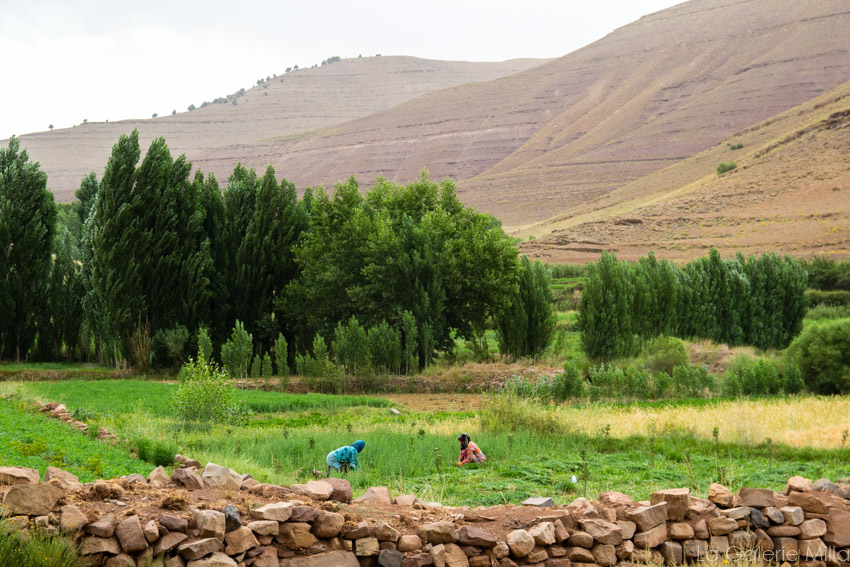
(532, 450)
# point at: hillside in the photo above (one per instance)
(790, 193)
(302, 100)
(546, 139)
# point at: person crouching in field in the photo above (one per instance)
(344, 457)
(469, 451)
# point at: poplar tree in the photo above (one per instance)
(527, 324)
(27, 221)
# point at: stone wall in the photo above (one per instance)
(215, 517)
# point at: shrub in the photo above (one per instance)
(256, 366)
(206, 394)
(723, 167)
(160, 454)
(351, 347)
(204, 344)
(266, 371)
(792, 378)
(169, 345)
(662, 354)
(832, 298)
(823, 353)
(760, 379)
(281, 355)
(385, 348)
(19, 548)
(828, 312)
(236, 352)
(569, 383)
(319, 373)
(693, 381)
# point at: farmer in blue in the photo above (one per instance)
(345, 457)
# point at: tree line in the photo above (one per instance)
(759, 301)
(151, 258)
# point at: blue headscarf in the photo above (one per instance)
(359, 445)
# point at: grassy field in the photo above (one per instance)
(532, 450)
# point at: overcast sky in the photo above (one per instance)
(64, 61)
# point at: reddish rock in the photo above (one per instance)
(838, 529)
(197, 549)
(581, 539)
(720, 495)
(94, 544)
(130, 535)
(189, 478)
(64, 479)
(722, 525)
(342, 490)
(648, 517)
(240, 540)
(602, 531)
(32, 499)
(104, 527)
(295, 535)
(174, 523)
(378, 494)
(520, 543)
(810, 502)
(677, 499)
(72, 519)
(651, 538)
(169, 542)
(438, 532)
(756, 497)
(327, 524)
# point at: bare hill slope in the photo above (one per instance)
(302, 100)
(790, 193)
(551, 137)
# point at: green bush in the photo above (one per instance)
(205, 347)
(828, 312)
(760, 379)
(832, 298)
(236, 352)
(828, 274)
(320, 374)
(170, 345)
(31, 548)
(281, 355)
(569, 383)
(693, 381)
(351, 347)
(823, 353)
(526, 324)
(160, 454)
(792, 378)
(256, 366)
(723, 167)
(662, 354)
(206, 394)
(266, 370)
(385, 348)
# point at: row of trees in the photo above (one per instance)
(758, 301)
(151, 254)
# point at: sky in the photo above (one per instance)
(69, 60)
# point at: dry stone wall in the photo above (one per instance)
(215, 517)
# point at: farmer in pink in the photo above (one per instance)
(469, 451)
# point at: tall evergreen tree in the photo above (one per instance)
(27, 221)
(527, 324)
(151, 262)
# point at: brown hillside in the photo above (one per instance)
(790, 193)
(302, 100)
(644, 97)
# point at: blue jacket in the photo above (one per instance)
(347, 454)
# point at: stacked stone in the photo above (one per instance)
(808, 522)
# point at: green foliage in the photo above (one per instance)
(693, 381)
(205, 346)
(604, 316)
(821, 311)
(759, 301)
(737, 146)
(410, 340)
(31, 547)
(723, 167)
(385, 351)
(159, 453)
(319, 365)
(828, 274)
(351, 347)
(526, 325)
(206, 394)
(266, 370)
(281, 354)
(569, 384)
(832, 298)
(662, 354)
(148, 257)
(170, 346)
(27, 219)
(409, 248)
(823, 354)
(256, 366)
(236, 352)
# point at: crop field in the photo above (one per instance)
(533, 449)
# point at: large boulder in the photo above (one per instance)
(19, 475)
(32, 499)
(210, 523)
(838, 529)
(64, 479)
(678, 501)
(327, 524)
(217, 476)
(520, 542)
(342, 490)
(188, 478)
(130, 535)
(376, 494)
(438, 532)
(318, 490)
(277, 511)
